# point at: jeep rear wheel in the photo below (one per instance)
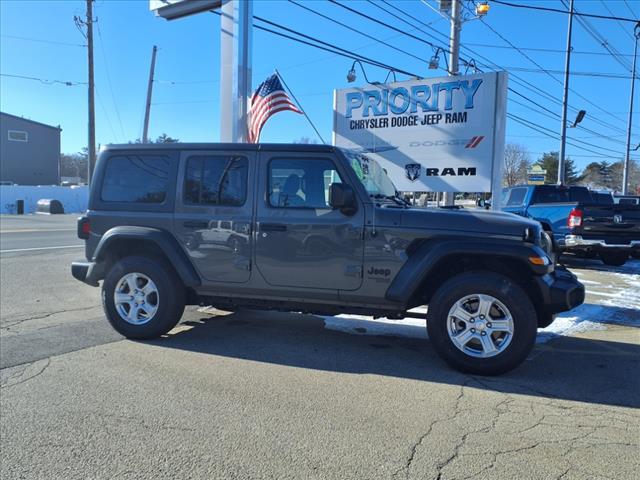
(482, 323)
(142, 297)
(615, 259)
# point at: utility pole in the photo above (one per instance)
(565, 97)
(147, 110)
(625, 171)
(454, 55)
(91, 161)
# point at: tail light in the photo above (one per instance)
(575, 218)
(84, 228)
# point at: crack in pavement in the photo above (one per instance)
(565, 428)
(12, 376)
(40, 316)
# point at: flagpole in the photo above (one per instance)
(300, 106)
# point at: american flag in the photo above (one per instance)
(268, 99)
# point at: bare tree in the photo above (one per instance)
(516, 164)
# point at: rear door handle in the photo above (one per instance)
(195, 224)
(273, 227)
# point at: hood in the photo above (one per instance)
(468, 220)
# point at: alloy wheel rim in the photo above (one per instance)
(136, 298)
(480, 325)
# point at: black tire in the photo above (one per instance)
(615, 259)
(518, 303)
(170, 297)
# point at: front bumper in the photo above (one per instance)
(86, 272)
(561, 290)
(578, 242)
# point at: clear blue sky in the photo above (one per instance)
(186, 92)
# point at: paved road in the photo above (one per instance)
(29, 232)
(270, 395)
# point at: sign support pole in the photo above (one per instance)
(235, 69)
(454, 61)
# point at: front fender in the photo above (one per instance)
(161, 238)
(422, 262)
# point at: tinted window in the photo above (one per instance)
(216, 180)
(516, 198)
(136, 178)
(297, 183)
(551, 195)
(602, 198)
(581, 194)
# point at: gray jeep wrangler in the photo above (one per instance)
(313, 229)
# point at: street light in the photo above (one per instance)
(482, 9)
(434, 62)
(579, 118)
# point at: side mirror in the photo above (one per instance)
(343, 198)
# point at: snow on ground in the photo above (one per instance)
(606, 303)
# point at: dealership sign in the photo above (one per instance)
(439, 134)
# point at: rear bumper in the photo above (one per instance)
(86, 272)
(578, 242)
(561, 291)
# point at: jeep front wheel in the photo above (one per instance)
(482, 323)
(142, 297)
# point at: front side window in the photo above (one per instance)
(298, 183)
(136, 179)
(216, 180)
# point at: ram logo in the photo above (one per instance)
(617, 219)
(412, 171)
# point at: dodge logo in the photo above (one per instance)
(412, 170)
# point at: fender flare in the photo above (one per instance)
(164, 240)
(427, 256)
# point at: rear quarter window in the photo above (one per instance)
(136, 179)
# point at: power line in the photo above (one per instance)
(15, 37)
(629, 8)
(106, 68)
(43, 80)
(619, 23)
(519, 80)
(556, 10)
(545, 50)
(351, 28)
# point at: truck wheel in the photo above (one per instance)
(481, 323)
(615, 259)
(142, 298)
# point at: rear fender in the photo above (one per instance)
(162, 239)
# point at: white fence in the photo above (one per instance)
(74, 199)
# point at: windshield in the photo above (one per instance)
(371, 174)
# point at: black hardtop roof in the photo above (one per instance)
(267, 147)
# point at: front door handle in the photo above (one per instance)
(195, 224)
(273, 227)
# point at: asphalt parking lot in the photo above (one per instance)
(271, 395)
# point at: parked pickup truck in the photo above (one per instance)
(318, 230)
(582, 222)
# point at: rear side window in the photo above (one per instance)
(216, 180)
(136, 179)
(551, 195)
(516, 197)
